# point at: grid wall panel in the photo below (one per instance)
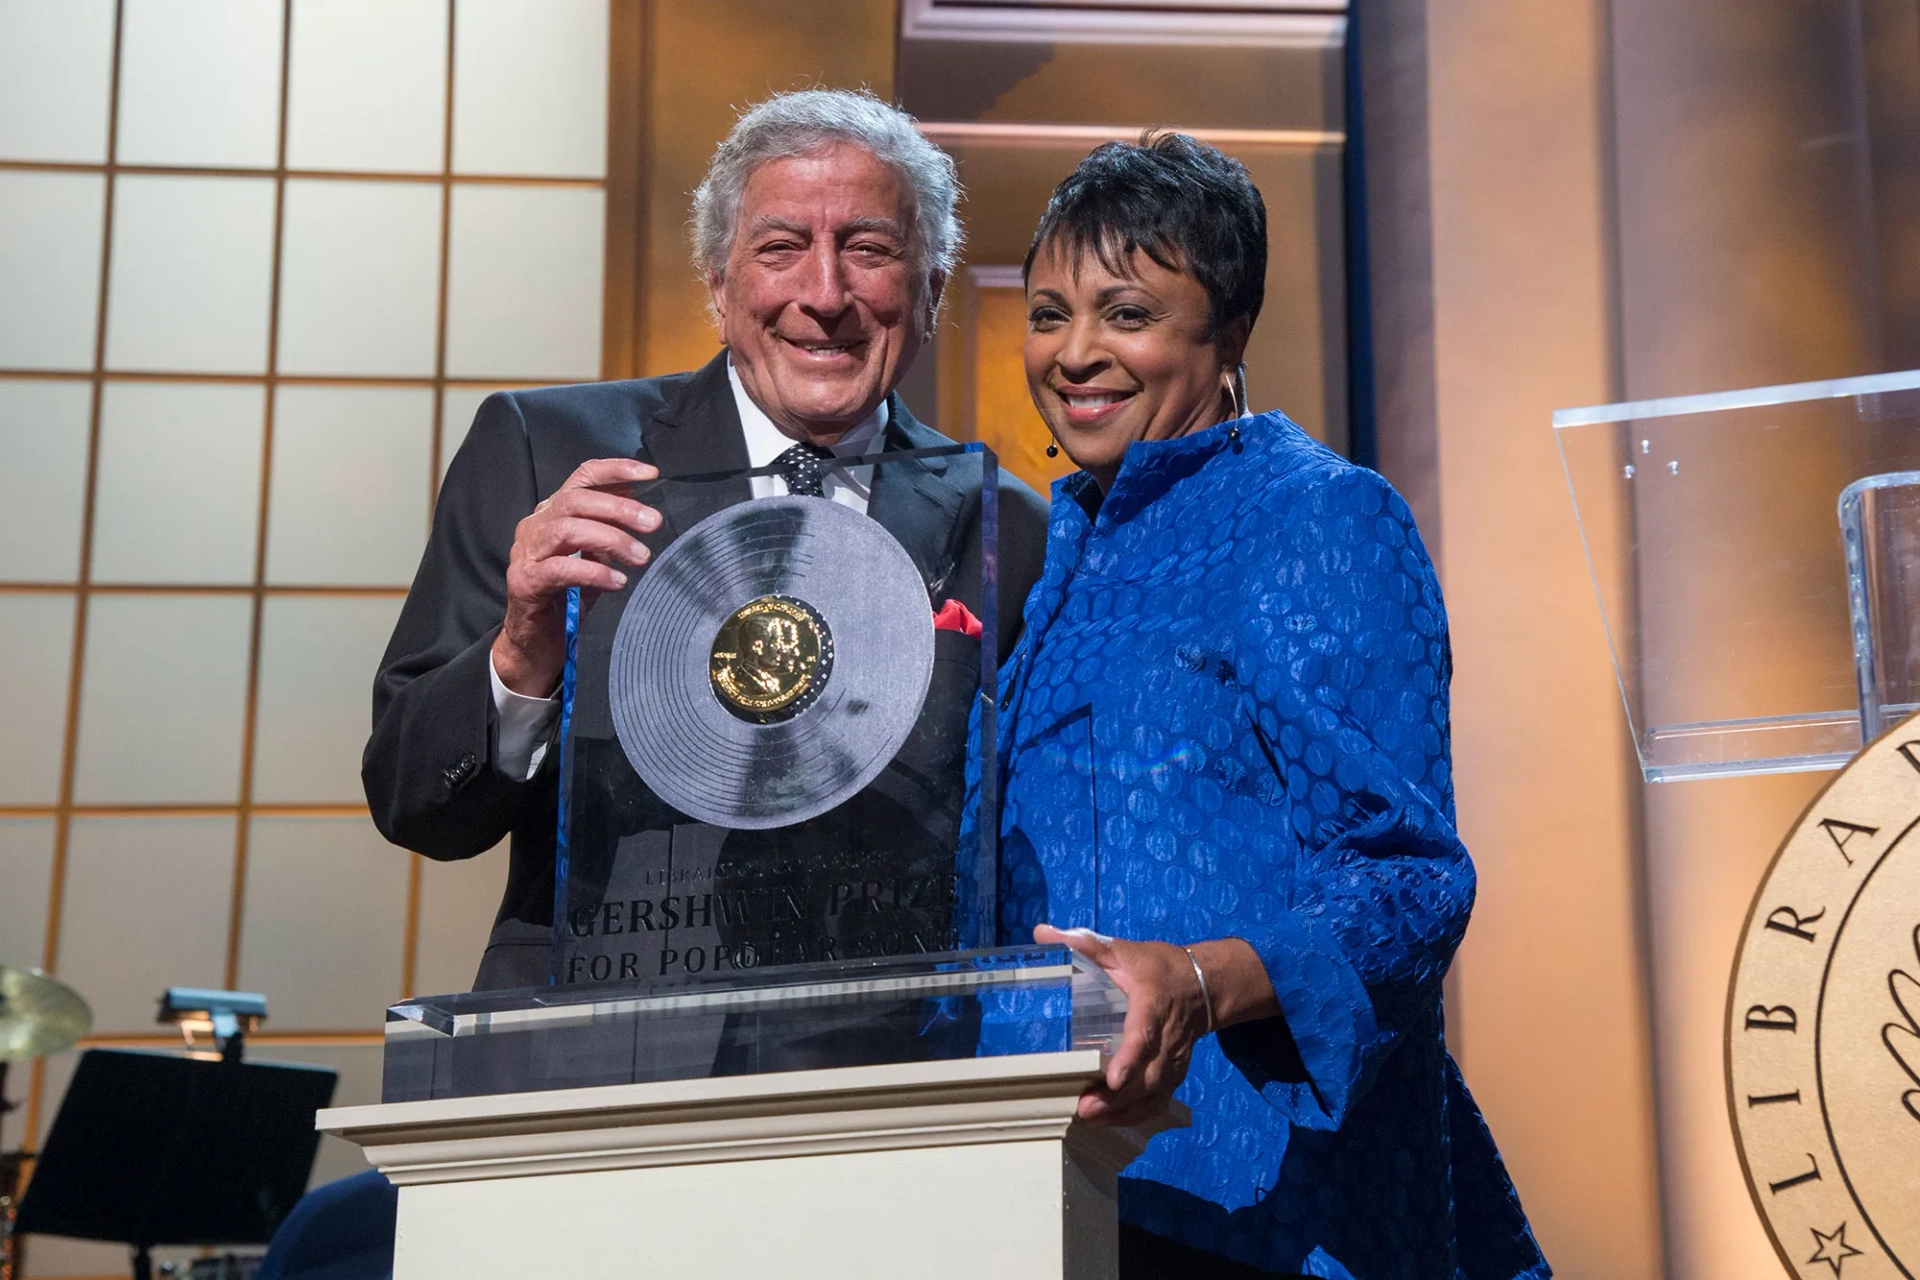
(317, 658)
(233, 362)
(135, 917)
(338, 450)
(162, 700)
(324, 921)
(49, 268)
(360, 278)
(26, 869)
(43, 478)
(177, 490)
(56, 57)
(192, 274)
(367, 104)
(458, 406)
(36, 656)
(530, 88)
(524, 281)
(199, 82)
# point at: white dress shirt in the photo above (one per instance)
(524, 726)
(847, 486)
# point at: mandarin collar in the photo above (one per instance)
(1151, 467)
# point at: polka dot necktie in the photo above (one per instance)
(802, 466)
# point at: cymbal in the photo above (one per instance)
(38, 1014)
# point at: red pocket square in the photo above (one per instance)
(954, 616)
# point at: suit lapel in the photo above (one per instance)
(697, 432)
(917, 501)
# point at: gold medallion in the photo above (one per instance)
(1823, 1026)
(770, 659)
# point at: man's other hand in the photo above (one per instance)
(584, 515)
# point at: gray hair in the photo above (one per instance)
(801, 123)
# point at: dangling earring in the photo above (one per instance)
(1238, 390)
(1053, 448)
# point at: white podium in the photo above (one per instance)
(969, 1168)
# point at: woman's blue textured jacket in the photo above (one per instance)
(1228, 717)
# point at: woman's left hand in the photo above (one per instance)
(1166, 1014)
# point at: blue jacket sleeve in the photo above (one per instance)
(1344, 666)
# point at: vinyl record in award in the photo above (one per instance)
(771, 662)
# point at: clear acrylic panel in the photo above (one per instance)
(977, 1004)
(1880, 523)
(1710, 529)
(765, 747)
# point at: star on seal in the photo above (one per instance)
(1826, 1252)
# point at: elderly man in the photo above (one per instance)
(825, 230)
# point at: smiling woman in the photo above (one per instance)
(1143, 283)
(1225, 767)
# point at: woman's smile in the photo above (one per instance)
(1086, 406)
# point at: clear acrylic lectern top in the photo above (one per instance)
(1712, 530)
(918, 1008)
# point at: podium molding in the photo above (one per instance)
(936, 1169)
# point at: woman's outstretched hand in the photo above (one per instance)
(1166, 1015)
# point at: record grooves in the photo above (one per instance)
(771, 662)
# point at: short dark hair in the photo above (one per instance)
(1186, 205)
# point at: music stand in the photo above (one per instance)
(152, 1149)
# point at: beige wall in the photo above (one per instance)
(1747, 258)
(1510, 322)
(1575, 204)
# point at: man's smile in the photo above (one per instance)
(825, 350)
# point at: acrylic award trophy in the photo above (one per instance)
(777, 805)
(765, 738)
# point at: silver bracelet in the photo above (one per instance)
(1206, 997)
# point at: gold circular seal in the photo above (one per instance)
(1823, 1026)
(770, 659)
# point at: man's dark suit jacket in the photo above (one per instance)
(429, 767)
